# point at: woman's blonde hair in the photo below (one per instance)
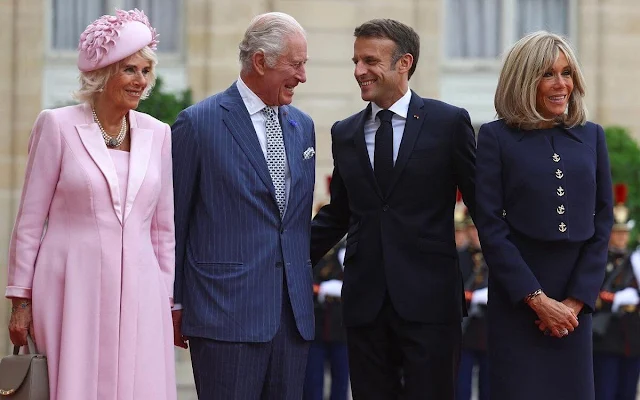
(524, 65)
(92, 83)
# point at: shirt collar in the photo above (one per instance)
(251, 100)
(400, 107)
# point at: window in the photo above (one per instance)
(481, 29)
(550, 15)
(164, 17)
(473, 28)
(71, 17)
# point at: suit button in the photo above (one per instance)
(279, 264)
(282, 231)
(560, 209)
(562, 227)
(560, 191)
(385, 208)
(559, 173)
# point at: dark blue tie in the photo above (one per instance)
(383, 153)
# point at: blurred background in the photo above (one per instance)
(461, 46)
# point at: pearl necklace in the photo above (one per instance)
(110, 141)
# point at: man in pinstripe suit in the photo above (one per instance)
(244, 172)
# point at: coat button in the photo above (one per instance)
(504, 213)
(560, 209)
(562, 227)
(279, 264)
(385, 208)
(555, 157)
(560, 191)
(559, 173)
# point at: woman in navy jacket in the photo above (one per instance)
(544, 210)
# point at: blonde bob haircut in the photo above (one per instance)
(92, 83)
(523, 68)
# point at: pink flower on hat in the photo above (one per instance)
(102, 35)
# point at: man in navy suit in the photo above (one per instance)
(397, 165)
(244, 168)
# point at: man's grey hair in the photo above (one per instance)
(266, 34)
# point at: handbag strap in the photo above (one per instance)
(30, 345)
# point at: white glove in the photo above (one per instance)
(625, 297)
(480, 296)
(331, 288)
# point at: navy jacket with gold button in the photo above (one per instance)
(547, 187)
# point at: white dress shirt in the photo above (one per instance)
(254, 106)
(400, 109)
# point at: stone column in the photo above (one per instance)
(213, 31)
(21, 41)
(608, 44)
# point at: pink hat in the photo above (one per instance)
(113, 38)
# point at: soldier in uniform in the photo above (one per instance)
(616, 336)
(474, 326)
(330, 344)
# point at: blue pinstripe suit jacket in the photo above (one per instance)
(232, 247)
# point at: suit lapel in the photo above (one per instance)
(415, 119)
(141, 142)
(361, 148)
(238, 121)
(92, 140)
(291, 137)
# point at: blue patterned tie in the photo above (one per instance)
(276, 156)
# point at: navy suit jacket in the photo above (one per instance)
(400, 242)
(232, 248)
(545, 192)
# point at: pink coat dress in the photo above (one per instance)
(100, 275)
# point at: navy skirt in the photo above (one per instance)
(525, 364)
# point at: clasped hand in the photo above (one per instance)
(556, 318)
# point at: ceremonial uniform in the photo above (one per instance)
(474, 326)
(330, 342)
(616, 326)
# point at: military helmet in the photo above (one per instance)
(620, 210)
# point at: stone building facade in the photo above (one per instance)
(37, 71)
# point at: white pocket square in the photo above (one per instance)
(308, 153)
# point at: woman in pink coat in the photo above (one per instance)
(91, 259)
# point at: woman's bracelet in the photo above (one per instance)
(532, 296)
(23, 304)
